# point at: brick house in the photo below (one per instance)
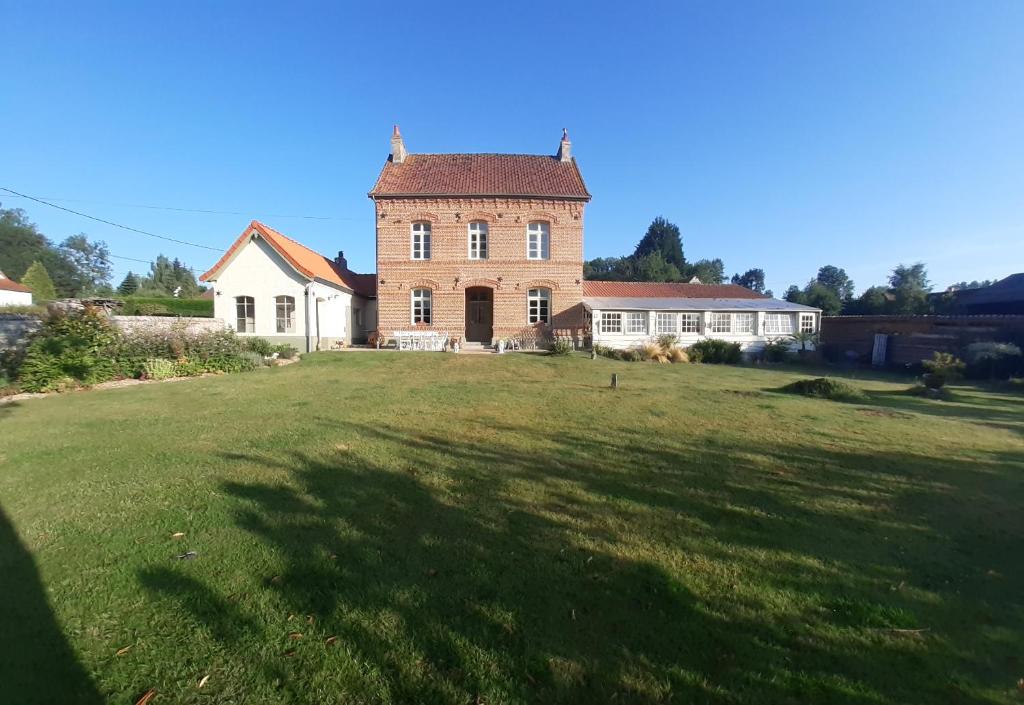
(480, 246)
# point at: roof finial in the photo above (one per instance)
(398, 152)
(565, 148)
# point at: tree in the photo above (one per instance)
(835, 279)
(91, 261)
(165, 277)
(709, 271)
(794, 294)
(129, 285)
(663, 238)
(38, 280)
(752, 279)
(960, 286)
(652, 267)
(909, 286)
(820, 296)
(874, 301)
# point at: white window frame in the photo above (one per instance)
(421, 305)
(611, 322)
(744, 323)
(477, 239)
(636, 322)
(538, 305)
(420, 237)
(807, 323)
(288, 304)
(666, 323)
(720, 323)
(689, 323)
(538, 240)
(248, 319)
(778, 324)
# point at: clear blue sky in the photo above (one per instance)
(785, 135)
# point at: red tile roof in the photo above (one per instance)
(11, 285)
(481, 175)
(663, 290)
(305, 261)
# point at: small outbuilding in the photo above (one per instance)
(626, 314)
(14, 294)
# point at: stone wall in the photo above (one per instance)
(14, 329)
(191, 324)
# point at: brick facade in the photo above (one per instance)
(506, 271)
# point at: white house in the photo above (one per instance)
(268, 285)
(625, 314)
(14, 294)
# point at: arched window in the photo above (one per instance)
(538, 241)
(285, 309)
(538, 306)
(478, 240)
(420, 242)
(245, 314)
(421, 306)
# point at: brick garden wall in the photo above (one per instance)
(507, 271)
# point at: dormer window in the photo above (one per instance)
(420, 241)
(478, 240)
(538, 241)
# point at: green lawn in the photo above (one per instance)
(417, 527)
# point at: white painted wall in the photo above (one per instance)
(258, 271)
(749, 343)
(15, 298)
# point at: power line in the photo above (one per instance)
(186, 210)
(109, 222)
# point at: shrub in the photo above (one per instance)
(251, 360)
(628, 355)
(942, 368)
(716, 352)
(825, 388)
(258, 345)
(678, 355)
(188, 368)
(776, 350)
(993, 360)
(71, 346)
(562, 346)
(158, 368)
(285, 351)
(923, 390)
(651, 352)
(667, 341)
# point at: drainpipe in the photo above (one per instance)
(309, 318)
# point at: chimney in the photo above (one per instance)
(398, 153)
(340, 260)
(565, 148)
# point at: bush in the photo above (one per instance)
(667, 341)
(924, 390)
(942, 368)
(678, 355)
(776, 350)
(716, 352)
(188, 368)
(824, 388)
(70, 348)
(629, 355)
(651, 352)
(158, 368)
(993, 360)
(258, 345)
(562, 346)
(252, 359)
(285, 351)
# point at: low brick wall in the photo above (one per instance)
(191, 324)
(14, 329)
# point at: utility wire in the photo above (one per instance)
(188, 210)
(109, 222)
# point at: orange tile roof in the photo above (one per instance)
(670, 290)
(305, 261)
(11, 285)
(481, 175)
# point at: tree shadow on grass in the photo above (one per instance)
(447, 581)
(37, 665)
(994, 410)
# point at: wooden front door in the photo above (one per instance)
(479, 314)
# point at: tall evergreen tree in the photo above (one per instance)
(38, 280)
(129, 285)
(752, 279)
(664, 238)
